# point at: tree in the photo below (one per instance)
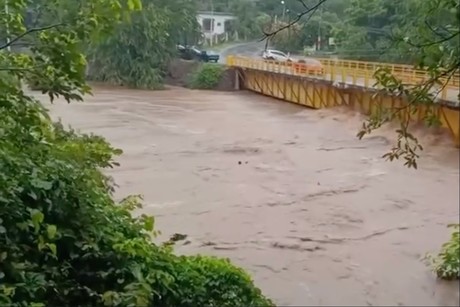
(246, 14)
(366, 31)
(139, 52)
(286, 40)
(142, 45)
(64, 241)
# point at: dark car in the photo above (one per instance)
(189, 53)
(210, 56)
(205, 56)
(185, 52)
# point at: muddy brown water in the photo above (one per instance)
(288, 193)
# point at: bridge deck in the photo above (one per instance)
(354, 73)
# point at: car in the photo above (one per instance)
(309, 66)
(212, 56)
(276, 55)
(189, 53)
(205, 56)
(184, 52)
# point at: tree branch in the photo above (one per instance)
(307, 10)
(29, 31)
(434, 30)
(445, 39)
(303, 4)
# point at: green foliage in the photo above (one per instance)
(285, 39)
(8, 80)
(207, 76)
(215, 282)
(250, 22)
(446, 264)
(139, 52)
(54, 62)
(64, 241)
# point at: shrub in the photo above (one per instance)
(207, 76)
(446, 264)
(65, 242)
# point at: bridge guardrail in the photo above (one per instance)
(405, 71)
(350, 72)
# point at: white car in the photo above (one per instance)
(276, 55)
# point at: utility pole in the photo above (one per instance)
(318, 43)
(284, 8)
(212, 23)
(7, 26)
(289, 28)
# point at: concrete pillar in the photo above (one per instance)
(237, 79)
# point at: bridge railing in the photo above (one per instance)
(404, 72)
(350, 72)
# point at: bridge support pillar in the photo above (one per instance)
(237, 80)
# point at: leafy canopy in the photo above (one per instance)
(140, 50)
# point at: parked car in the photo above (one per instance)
(206, 56)
(276, 55)
(193, 53)
(184, 52)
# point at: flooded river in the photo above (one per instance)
(288, 193)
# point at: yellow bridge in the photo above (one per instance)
(345, 83)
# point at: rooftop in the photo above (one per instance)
(215, 13)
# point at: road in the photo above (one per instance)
(251, 49)
(288, 193)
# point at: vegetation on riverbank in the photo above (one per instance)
(206, 76)
(64, 240)
(139, 51)
(446, 264)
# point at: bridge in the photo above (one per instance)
(346, 83)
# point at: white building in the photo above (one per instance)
(213, 23)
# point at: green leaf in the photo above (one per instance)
(32, 195)
(8, 291)
(149, 222)
(37, 218)
(131, 4)
(41, 184)
(52, 248)
(51, 231)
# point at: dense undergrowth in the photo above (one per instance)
(446, 264)
(206, 76)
